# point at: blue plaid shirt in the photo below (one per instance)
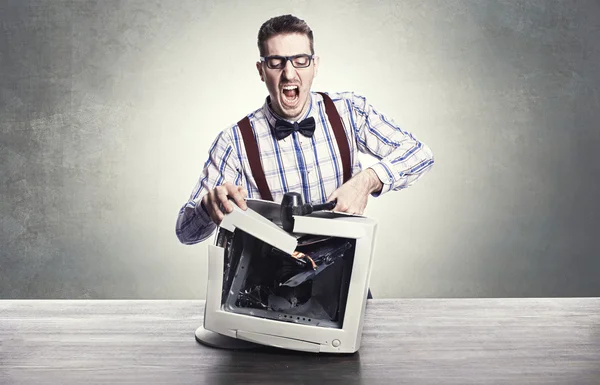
(310, 166)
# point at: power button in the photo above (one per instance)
(336, 343)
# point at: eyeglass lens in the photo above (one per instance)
(278, 62)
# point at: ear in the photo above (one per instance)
(316, 64)
(259, 67)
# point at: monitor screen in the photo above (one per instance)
(308, 287)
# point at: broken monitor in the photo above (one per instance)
(304, 289)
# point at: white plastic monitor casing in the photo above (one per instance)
(283, 334)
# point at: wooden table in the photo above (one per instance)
(453, 341)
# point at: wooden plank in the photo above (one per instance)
(454, 341)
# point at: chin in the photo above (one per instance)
(294, 112)
(289, 113)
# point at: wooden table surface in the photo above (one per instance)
(414, 341)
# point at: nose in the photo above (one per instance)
(289, 71)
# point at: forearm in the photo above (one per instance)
(372, 181)
(403, 159)
(193, 224)
(403, 166)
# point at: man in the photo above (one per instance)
(297, 142)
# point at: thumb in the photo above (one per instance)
(333, 196)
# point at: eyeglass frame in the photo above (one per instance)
(264, 59)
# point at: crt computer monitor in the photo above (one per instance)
(301, 290)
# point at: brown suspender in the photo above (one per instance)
(254, 157)
(340, 135)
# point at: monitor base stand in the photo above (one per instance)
(216, 340)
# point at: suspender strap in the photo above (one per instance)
(254, 159)
(340, 135)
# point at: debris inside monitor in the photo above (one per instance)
(310, 287)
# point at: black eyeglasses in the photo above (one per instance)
(277, 62)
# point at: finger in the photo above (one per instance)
(215, 212)
(212, 208)
(362, 209)
(220, 197)
(223, 199)
(218, 217)
(238, 198)
(332, 197)
(339, 206)
(243, 191)
(358, 208)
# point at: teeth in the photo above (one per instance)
(290, 87)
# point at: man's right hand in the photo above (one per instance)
(220, 196)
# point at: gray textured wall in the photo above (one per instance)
(107, 109)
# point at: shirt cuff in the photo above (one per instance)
(385, 175)
(201, 211)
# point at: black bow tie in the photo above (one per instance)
(284, 128)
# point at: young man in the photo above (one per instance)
(306, 142)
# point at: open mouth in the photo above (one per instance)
(291, 95)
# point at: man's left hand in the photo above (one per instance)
(353, 195)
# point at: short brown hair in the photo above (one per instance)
(280, 25)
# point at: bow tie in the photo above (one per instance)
(284, 128)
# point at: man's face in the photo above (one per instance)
(288, 87)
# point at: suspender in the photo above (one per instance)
(254, 158)
(340, 135)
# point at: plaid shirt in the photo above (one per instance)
(310, 166)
